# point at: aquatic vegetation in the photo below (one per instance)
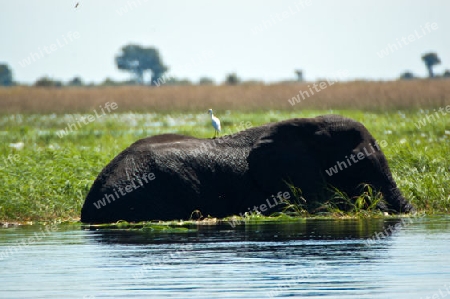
(48, 177)
(363, 205)
(337, 204)
(296, 205)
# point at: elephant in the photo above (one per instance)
(169, 176)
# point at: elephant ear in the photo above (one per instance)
(281, 155)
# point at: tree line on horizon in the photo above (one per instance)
(139, 61)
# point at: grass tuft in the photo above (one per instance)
(364, 205)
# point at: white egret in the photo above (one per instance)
(215, 122)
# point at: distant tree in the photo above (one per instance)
(299, 74)
(407, 76)
(430, 60)
(206, 81)
(176, 81)
(47, 82)
(252, 82)
(76, 81)
(138, 60)
(109, 82)
(6, 77)
(446, 74)
(232, 79)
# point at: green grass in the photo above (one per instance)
(364, 205)
(49, 177)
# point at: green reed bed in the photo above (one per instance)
(44, 176)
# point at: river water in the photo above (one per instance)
(367, 258)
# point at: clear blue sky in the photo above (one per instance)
(212, 38)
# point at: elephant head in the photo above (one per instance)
(318, 153)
